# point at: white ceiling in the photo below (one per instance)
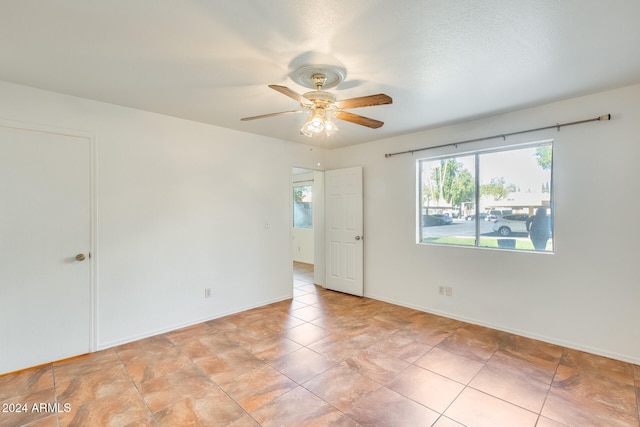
(210, 61)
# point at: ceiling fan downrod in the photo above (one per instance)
(319, 80)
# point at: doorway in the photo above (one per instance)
(307, 225)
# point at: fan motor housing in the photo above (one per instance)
(320, 98)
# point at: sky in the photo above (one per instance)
(518, 167)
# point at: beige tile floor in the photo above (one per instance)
(326, 358)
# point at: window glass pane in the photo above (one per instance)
(514, 185)
(512, 190)
(447, 214)
(303, 206)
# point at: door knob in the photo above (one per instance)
(358, 237)
(80, 257)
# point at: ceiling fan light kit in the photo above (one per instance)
(318, 121)
(322, 106)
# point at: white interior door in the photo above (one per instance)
(45, 291)
(344, 230)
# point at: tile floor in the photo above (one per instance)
(326, 358)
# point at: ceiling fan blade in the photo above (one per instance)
(291, 94)
(270, 115)
(359, 120)
(365, 101)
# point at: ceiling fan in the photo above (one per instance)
(321, 105)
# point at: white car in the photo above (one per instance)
(516, 223)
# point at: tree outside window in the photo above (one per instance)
(485, 198)
(303, 206)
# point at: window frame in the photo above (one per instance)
(302, 184)
(477, 153)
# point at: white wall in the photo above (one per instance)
(302, 245)
(181, 206)
(586, 295)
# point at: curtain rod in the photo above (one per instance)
(503, 135)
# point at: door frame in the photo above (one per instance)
(318, 222)
(93, 237)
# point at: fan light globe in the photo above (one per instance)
(330, 128)
(317, 122)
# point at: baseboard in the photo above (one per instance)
(132, 338)
(549, 340)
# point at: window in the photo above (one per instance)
(493, 199)
(302, 206)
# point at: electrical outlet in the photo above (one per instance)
(448, 291)
(440, 290)
(207, 292)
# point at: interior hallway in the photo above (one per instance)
(326, 358)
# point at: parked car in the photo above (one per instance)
(500, 212)
(497, 213)
(516, 223)
(436, 219)
(472, 217)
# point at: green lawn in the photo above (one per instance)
(485, 242)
